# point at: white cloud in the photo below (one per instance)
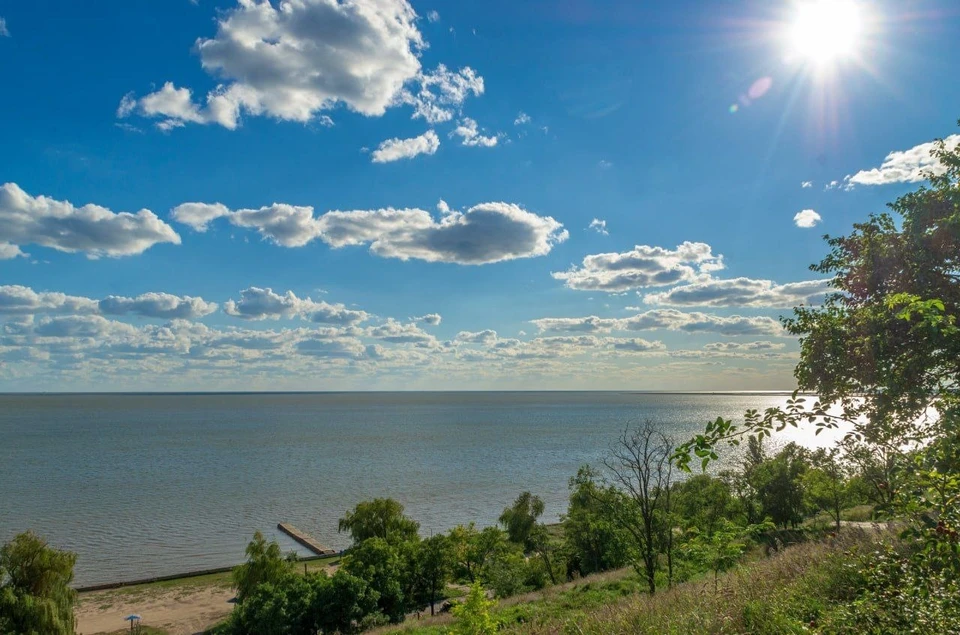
(442, 207)
(431, 319)
(644, 266)
(522, 119)
(4, 31)
(806, 219)
(470, 135)
(665, 319)
(906, 166)
(295, 59)
(396, 149)
(743, 346)
(485, 233)
(600, 226)
(20, 300)
(285, 225)
(157, 305)
(9, 252)
(806, 184)
(93, 230)
(433, 16)
(441, 93)
(396, 332)
(261, 304)
(637, 345)
(486, 337)
(743, 292)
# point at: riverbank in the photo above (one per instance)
(174, 605)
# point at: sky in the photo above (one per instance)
(432, 195)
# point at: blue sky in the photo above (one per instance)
(377, 194)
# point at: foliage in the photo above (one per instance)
(473, 615)
(720, 549)
(472, 549)
(703, 502)
(825, 484)
(779, 485)
(35, 593)
(379, 518)
(521, 523)
(434, 561)
(265, 564)
(592, 539)
(383, 567)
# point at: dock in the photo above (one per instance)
(305, 539)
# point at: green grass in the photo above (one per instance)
(782, 594)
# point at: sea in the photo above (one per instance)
(142, 485)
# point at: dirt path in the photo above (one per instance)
(183, 611)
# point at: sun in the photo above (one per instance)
(824, 32)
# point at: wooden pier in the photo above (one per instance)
(305, 539)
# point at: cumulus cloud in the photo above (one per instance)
(470, 135)
(397, 332)
(262, 304)
(486, 337)
(433, 16)
(396, 149)
(485, 233)
(20, 300)
(295, 59)
(806, 219)
(157, 305)
(806, 184)
(665, 319)
(431, 319)
(743, 292)
(644, 266)
(282, 224)
(906, 166)
(743, 346)
(599, 226)
(637, 345)
(9, 252)
(437, 95)
(93, 230)
(522, 119)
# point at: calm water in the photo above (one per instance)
(142, 485)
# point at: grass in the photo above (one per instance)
(785, 593)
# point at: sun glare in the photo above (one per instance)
(823, 32)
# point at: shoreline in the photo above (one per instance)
(107, 586)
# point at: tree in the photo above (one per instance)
(434, 562)
(473, 615)
(825, 484)
(703, 502)
(641, 473)
(265, 564)
(779, 486)
(472, 549)
(593, 540)
(379, 518)
(345, 604)
(523, 528)
(384, 568)
(278, 608)
(35, 593)
(720, 550)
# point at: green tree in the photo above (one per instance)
(382, 566)
(825, 484)
(473, 615)
(434, 562)
(593, 540)
(265, 563)
(379, 518)
(703, 502)
(345, 604)
(35, 593)
(472, 549)
(779, 485)
(721, 549)
(282, 607)
(523, 528)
